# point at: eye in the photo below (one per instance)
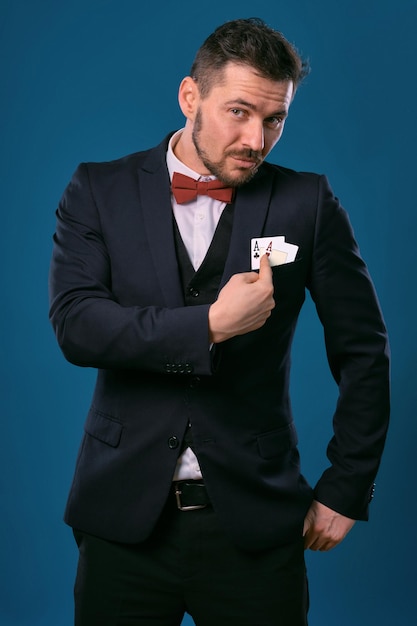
(238, 112)
(274, 121)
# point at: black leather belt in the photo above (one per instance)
(191, 495)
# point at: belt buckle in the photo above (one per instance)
(181, 507)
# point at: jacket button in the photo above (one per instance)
(173, 443)
(193, 292)
(372, 492)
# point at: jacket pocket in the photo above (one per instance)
(104, 428)
(288, 268)
(277, 442)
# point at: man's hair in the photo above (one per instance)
(247, 42)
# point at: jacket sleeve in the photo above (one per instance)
(358, 354)
(92, 327)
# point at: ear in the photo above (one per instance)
(188, 97)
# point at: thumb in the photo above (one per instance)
(306, 526)
(309, 520)
(265, 271)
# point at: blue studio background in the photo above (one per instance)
(97, 79)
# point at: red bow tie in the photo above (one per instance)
(185, 189)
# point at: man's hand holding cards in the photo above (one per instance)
(243, 305)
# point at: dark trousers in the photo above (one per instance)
(188, 565)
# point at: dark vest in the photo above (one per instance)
(201, 286)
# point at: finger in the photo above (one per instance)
(306, 527)
(320, 543)
(314, 543)
(309, 541)
(308, 534)
(265, 271)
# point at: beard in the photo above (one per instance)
(218, 168)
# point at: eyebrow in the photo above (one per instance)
(249, 105)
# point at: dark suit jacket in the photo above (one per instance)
(117, 305)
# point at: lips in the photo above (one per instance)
(245, 162)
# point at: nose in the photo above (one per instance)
(254, 136)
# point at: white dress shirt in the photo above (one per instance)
(197, 221)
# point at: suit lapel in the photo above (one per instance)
(251, 209)
(154, 189)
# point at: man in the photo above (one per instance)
(187, 494)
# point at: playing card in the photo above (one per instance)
(276, 248)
